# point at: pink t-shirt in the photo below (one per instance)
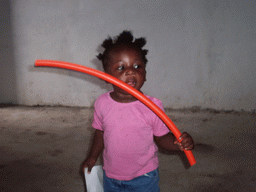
(129, 147)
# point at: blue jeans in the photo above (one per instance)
(148, 182)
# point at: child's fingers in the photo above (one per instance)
(187, 147)
(187, 144)
(84, 166)
(89, 168)
(186, 141)
(179, 145)
(89, 171)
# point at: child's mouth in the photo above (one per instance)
(131, 83)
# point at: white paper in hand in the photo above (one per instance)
(94, 180)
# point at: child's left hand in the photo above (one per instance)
(187, 142)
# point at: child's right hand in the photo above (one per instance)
(89, 162)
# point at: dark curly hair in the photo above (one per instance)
(124, 39)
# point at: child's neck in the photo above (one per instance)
(122, 98)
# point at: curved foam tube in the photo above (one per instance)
(124, 86)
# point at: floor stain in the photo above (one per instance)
(202, 147)
(41, 133)
(55, 152)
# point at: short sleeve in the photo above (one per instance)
(159, 127)
(97, 119)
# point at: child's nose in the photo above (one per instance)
(130, 71)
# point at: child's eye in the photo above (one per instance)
(120, 68)
(136, 66)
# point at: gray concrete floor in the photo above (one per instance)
(42, 148)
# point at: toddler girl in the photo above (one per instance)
(126, 130)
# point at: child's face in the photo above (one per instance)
(126, 64)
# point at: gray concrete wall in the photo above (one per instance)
(8, 89)
(201, 53)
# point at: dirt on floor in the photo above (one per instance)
(42, 149)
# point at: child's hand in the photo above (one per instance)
(186, 143)
(89, 162)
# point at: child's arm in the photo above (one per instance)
(170, 143)
(96, 149)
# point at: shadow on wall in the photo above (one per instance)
(87, 78)
(8, 87)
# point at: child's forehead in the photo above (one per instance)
(124, 48)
